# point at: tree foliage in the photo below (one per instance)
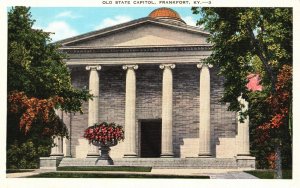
(255, 41)
(38, 83)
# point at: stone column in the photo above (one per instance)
(130, 102)
(167, 108)
(57, 150)
(204, 111)
(243, 146)
(68, 141)
(69, 120)
(93, 116)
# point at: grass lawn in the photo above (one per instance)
(106, 168)
(95, 175)
(269, 174)
(8, 171)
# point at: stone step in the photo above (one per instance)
(156, 162)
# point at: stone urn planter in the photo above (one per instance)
(104, 148)
(104, 135)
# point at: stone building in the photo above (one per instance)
(147, 75)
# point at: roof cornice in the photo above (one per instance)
(130, 49)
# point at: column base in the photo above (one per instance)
(51, 162)
(244, 154)
(204, 156)
(92, 155)
(57, 155)
(245, 162)
(130, 156)
(166, 155)
(93, 151)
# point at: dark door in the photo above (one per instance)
(150, 138)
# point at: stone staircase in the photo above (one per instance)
(167, 163)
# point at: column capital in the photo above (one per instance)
(134, 67)
(93, 67)
(163, 66)
(200, 65)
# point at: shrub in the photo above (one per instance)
(25, 155)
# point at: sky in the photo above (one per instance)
(71, 21)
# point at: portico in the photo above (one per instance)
(167, 109)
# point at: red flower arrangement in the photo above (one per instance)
(104, 133)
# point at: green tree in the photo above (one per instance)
(38, 83)
(255, 40)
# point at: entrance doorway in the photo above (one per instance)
(150, 138)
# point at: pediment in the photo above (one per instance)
(142, 32)
(149, 40)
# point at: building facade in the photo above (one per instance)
(147, 76)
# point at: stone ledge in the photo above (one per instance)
(245, 162)
(245, 157)
(163, 163)
(50, 162)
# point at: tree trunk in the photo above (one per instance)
(263, 57)
(278, 161)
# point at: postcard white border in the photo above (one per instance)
(141, 183)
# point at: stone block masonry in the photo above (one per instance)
(149, 106)
(167, 163)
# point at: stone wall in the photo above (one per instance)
(148, 106)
